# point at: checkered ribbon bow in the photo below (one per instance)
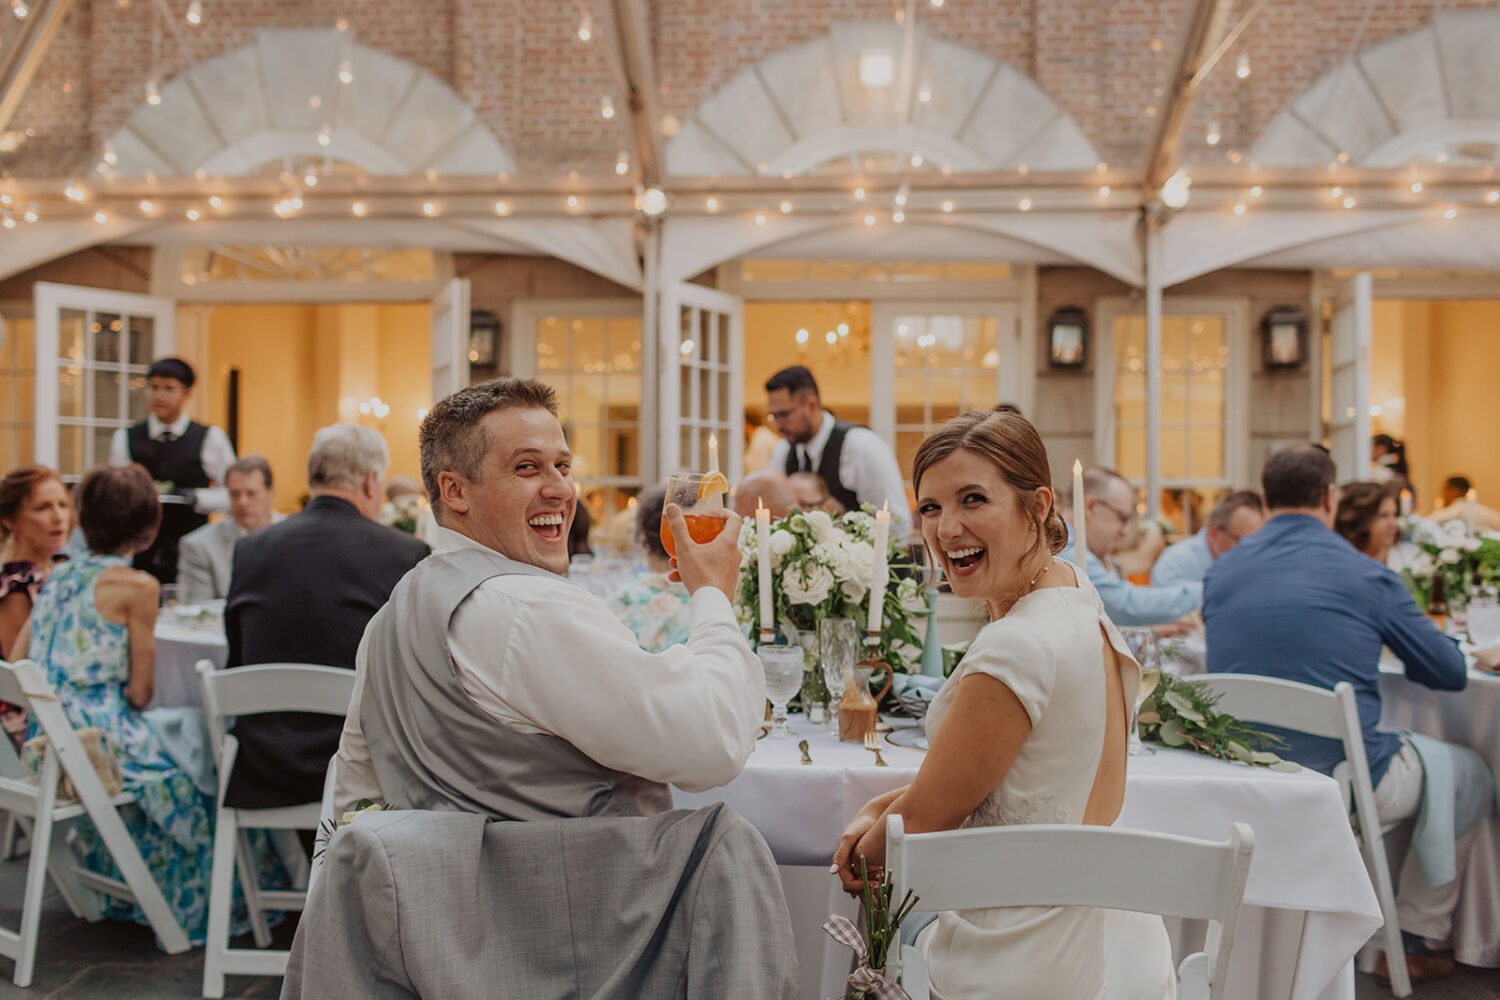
(873, 982)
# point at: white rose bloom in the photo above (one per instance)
(861, 557)
(809, 586)
(1422, 565)
(835, 557)
(855, 590)
(782, 542)
(858, 523)
(911, 596)
(1456, 526)
(821, 524)
(1449, 556)
(1471, 544)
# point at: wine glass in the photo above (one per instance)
(1484, 621)
(783, 670)
(1147, 653)
(838, 642)
(700, 495)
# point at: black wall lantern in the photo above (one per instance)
(484, 338)
(1068, 338)
(1283, 333)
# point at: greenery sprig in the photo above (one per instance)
(882, 924)
(1182, 713)
(331, 826)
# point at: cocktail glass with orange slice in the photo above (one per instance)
(700, 495)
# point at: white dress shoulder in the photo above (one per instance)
(1048, 650)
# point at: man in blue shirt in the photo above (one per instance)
(1297, 602)
(1108, 505)
(1235, 516)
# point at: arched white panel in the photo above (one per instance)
(807, 105)
(1426, 94)
(283, 95)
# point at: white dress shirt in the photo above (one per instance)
(216, 457)
(545, 656)
(867, 467)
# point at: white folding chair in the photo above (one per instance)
(1333, 715)
(272, 687)
(1076, 865)
(38, 804)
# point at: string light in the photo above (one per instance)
(916, 159)
(1239, 208)
(195, 13)
(831, 337)
(651, 202)
(8, 222)
(146, 206)
(622, 163)
(1451, 212)
(346, 72)
(1242, 66)
(1104, 190)
(937, 4)
(429, 209)
(30, 215)
(843, 329)
(869, 220)
(607, 108)
(1257, 191)
(324, 136)
(572, 201)
(193, 215)
(358, 209)
(947, 206)
(859, 194)
(802, 336)
(901, 196)
(214, 201)
(1349, 201)
(310, 179)
(101, 217)
(153, 94)
(712, 204)
(898, 216)
(1416, 187)
(1214, 135)
(1335, 192)
(1024, 204)
(760, 218)
(19, 8)
(73, 192)
(924, 95)
(1177, 189)
(786, 208)
(109, 156)
(501, 208)
(586, 28)
(1492, 197)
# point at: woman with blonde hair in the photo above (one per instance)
(1031, 728)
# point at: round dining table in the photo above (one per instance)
(1309, 905)
(185, 634)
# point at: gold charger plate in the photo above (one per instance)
(908, 738)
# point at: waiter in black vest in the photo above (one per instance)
(855, 463)
(189, 458)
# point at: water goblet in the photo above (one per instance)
(1147, 653)
(783, 669)
(838, 641)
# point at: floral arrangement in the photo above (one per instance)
(823, 567)
(1181, 713)
(1451, 551)
(873, 942)
(404, 513)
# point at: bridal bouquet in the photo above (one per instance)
(1458, 556)
(823, 567)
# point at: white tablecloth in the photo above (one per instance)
(180, 643)
(1318, 906)
(1468, 718)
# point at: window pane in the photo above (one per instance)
(106, 329)
(688, 455)
(101, 437)
(1206, 453)
(70, 451)
(70, 335)
(70, 392)
(142, 340)
(107, 392)
(1174, 393)
(1174, 453)
(947, 392)
(1130, 452)
(588, 450)
(551, 344)
(588, 345)
(139, 405)
(587, 403)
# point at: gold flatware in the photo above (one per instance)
(872, 742)
(806, 757)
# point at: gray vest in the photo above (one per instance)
(433, 748)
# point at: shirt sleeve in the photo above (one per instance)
(1180, 563)
(119, 447)
(687, 716)
(354, 773)
(1431, 658)
(216, 458)
(869, 468)
(1018, 657)
(1129, 605)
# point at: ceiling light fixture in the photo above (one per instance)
(195, 13)
(1242, 66)
(1177, 190)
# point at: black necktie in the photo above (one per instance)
(805, 464)
(167, 437)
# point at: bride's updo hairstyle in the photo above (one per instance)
(1011, 444)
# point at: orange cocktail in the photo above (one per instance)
(700, 496)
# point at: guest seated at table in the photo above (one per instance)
(651, 605)
(1031, 727)
(811, 493)
(36, 516)
(1366, 518)
(1453, 505)
(768, 486)
(491, 684)
(1108, 507)
(1295, 601)
(205, 554)
(91, 632)
(302, 591)
(1233, 517)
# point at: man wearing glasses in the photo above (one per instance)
(1108, 505)
(1235, 515)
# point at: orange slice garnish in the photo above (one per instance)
(712, 484)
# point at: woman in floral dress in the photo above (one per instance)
(650, 605)
(91, 632)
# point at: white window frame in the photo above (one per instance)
(1236, 382)
(526, 314)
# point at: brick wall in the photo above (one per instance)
(520, 62)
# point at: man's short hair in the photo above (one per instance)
(172, 368)
(250, 463)
(1227, 504)
(1297, 477)
(1459, 483)
(118, 509)
(796, 380)
(453, 438)
(342, 455)
(1096, 480)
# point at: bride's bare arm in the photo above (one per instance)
(976, 745)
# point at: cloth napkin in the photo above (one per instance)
(1488, 659)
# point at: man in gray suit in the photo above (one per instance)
(206, 554)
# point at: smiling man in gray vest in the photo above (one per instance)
(491, 684)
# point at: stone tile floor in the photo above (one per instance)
(114, 961)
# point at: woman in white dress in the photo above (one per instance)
(1031, 728)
